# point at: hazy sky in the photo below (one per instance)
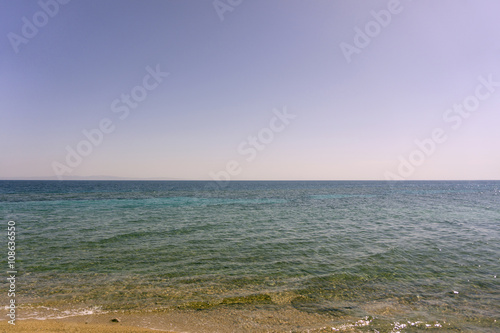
(256, 89)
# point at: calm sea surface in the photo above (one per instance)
(394, 256)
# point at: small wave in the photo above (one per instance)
(360, 323)
(417, 324)
(340, 196)
(44, 312)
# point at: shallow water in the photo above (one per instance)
(387, 254)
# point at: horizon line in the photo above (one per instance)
(238, 180)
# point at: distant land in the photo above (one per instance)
(86, 178)
(72, 178)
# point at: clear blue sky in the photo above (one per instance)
(357, 115)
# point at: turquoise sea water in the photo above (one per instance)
(399, 255)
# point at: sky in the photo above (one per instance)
(250, 89)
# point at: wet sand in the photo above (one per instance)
(54, 325)
(222, 321)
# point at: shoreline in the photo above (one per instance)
(189, 321)
(243, 319)
(64, 325)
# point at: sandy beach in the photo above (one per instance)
(221, 321)
(29, 326)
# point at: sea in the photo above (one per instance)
(262, 256)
